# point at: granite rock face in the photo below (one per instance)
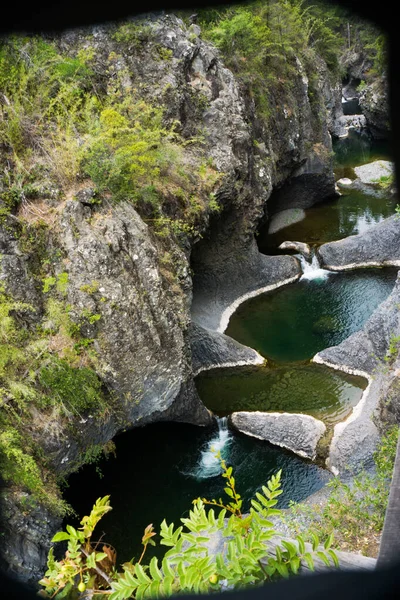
(296, 432)
(379, 246)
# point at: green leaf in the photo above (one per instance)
(100, 556)
(324, 558)
(309, 560)
(154, 570)
(168, 572)
(295, 565)
(72, 532)
(167, 586)
(329, 541)
(141, 575)
(334, 557)
(141, 590)
(302, 546)
(315, 541)
(61, 536)
(291, 548)
(282, 569)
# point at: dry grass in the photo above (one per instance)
(40, 211)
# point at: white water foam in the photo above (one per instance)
(209, 465)
(312, 270)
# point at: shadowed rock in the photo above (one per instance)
(211, 349)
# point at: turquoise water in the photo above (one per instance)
(295, 322)
(161, 468)
(311, 389)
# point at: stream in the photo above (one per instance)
(162, 467)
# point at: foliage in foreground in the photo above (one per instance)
(187, 566)
(355, 511)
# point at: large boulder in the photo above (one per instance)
(377, 247)
(372, 172)
(296, 432)
(299, 247)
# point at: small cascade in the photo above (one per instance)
(209, 465)
(312, 270)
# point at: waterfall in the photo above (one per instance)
(312, 270)
(209, 465)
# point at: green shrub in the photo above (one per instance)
(188, 566)
(354, 511)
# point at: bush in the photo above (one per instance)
(355, 511)
(187, 566)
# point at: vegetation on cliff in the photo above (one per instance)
(69, 119)
(261, 42)
(62, 122)
(354, 511)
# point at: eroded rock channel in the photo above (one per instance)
(200, 307)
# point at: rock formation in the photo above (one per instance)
(296, 432)
(377, 247)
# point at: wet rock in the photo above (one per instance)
(222, 292)
(211, 349)
(379, 246)
(371, 173)
(296, 432)
(26, 536)
(299, 247)
(345, 182)
(353, 122)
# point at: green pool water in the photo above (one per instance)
(311, 389)
(295, 322)
(161, 468)
(354, 212)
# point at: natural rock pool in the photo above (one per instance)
(161, 468)
(295, 322)
(352, 213)
(312, 389)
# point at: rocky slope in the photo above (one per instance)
(126, 285)
(373, 353)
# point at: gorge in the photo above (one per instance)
(172, 300)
